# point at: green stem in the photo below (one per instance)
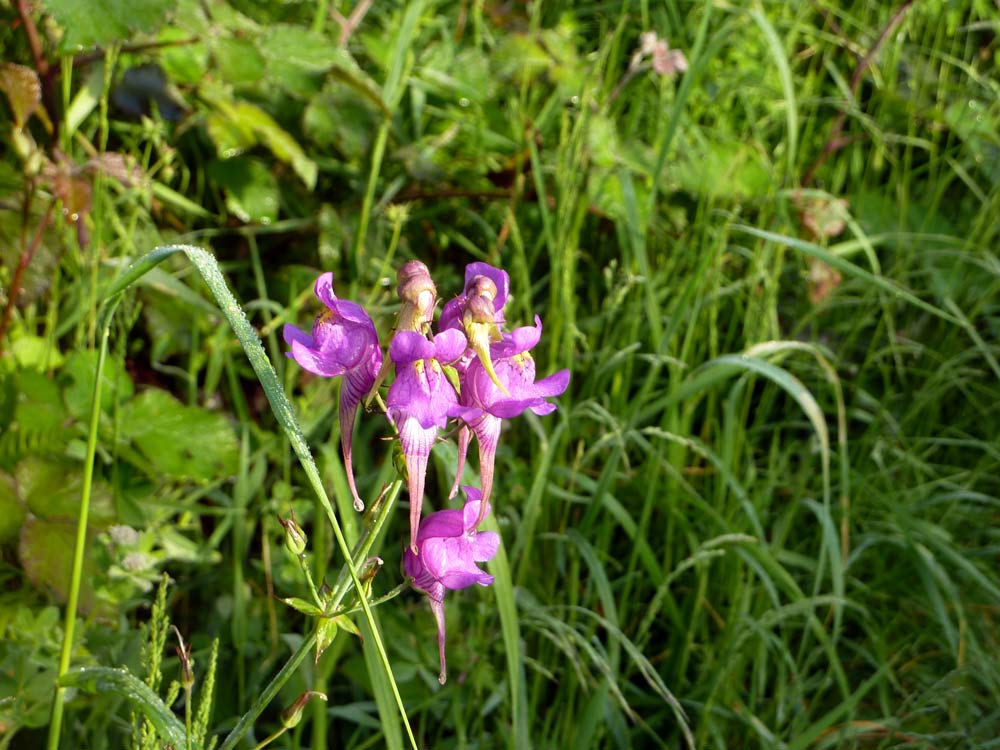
(378, 152)
(246, 720)
(55, 725)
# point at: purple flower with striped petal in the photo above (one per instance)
(419, 403)
(448, 548)
(343, 343)
(484, 405)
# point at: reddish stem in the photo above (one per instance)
(15, 285)
(836, 142)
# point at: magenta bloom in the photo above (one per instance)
(343, 342)
(453, 311)
(484, 404)
(448, 548)
(419, 403)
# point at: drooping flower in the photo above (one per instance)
(343, 343)
(453, 311)
(420, 401)
(479, 312)
(448, 548)
(484, 405)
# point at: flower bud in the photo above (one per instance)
(292, 715)
(184, 654)
(295, 537)
(418, 294)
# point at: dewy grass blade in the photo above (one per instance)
(208, 267)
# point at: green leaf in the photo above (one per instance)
(300, 48)
(183, 442)
(186, 62)
(238, 61)
(251, 190)
(282, 145)
(35, 353)
(136, 693)
(237, 126)
(301, 605)
(46, 552)
(52, 488)
(78, 374)
(88, 23)
(12, 512)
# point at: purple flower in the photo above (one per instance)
(343, 342)
(453, 312)
(448, 548)
(419, 403)
(484, 404)
(479, 312)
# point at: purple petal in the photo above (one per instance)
(473, 511)
(451, 314)
(485, 545)
(437, 607)
(517, 341)
(464, 438)
(488, 434)
(315, 361)
(323, 288)
(409, 346)
(348, 410)
(416, 443)
(449, 345)
(292, 334)
(509, 408)
(442, 523)
(553, 385)
(546, 407)
(422, 393)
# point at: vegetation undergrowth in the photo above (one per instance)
(763, 242)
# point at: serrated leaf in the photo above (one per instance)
(23, 90)
(86, 23)
(182, 442)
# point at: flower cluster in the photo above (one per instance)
(471, 370)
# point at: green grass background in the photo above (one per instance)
(765, 512)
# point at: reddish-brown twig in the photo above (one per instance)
(836, 142)
(27, 254)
